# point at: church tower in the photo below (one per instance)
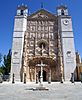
(20, 24)
(67, 42)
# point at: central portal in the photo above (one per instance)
(44, 75)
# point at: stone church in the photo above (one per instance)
(43, 45)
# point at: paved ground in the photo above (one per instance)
(57, 91)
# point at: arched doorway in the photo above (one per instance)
(44, 75)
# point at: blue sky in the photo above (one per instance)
(8, 11)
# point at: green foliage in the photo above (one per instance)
(2, 69)
(5, 68)
(7, 62)
(0, 57)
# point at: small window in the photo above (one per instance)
(21, 12)
(42, 44)
(69, 53)
(62, 12)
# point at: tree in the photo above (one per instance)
(1, 68)
(6, 66)
(0, 57)
(7, 62)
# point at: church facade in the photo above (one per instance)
(43, 46)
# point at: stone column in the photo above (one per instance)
(13, 78)
(60, 57)
(24, 78)
(49, 77)
(28, 74)
(61, 66)
(36, 78)
(72, 77)
(41, 76)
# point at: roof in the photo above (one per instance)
(22, 7)
(42, 13)
(62, 7)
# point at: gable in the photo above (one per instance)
(42, 14)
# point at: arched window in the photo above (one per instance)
(68, 53)
(42, 44)
(21, 12)
(62, 12)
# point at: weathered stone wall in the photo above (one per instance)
(46, 31)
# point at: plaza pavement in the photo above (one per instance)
(57, 91)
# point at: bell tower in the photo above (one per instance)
(67, 41)
(20, 25)
(22, 10)
(62, 10)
